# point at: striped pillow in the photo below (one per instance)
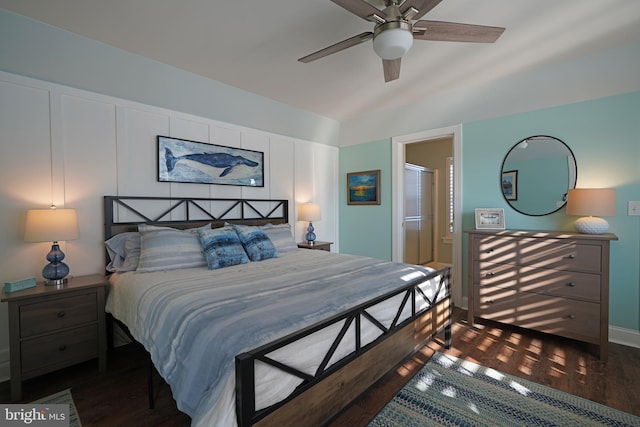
(222, 247)
(167, 249)
(281, 237)
(256, 244)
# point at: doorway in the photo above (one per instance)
(419, 200)
(399, 159)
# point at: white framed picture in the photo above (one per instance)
(490, 218)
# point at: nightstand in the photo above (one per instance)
(52, 327)
(317, 245)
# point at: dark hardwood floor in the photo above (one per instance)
(118, 397)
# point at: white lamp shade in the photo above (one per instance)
(392, 43)
(309, 212)
(51, 225)
(591, 202)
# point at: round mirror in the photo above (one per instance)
(537, 174)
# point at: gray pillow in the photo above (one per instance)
(281, 237)
(169, 249)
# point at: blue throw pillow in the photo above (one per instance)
(256, 243)
(222, 248)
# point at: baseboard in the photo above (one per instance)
(624, 336)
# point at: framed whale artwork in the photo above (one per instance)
(180, 160)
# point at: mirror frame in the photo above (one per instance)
(570, 184)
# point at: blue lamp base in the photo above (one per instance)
(310, 236)
(55, 272)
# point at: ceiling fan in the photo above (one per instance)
(395, 30)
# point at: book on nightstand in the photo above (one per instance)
(18, 285)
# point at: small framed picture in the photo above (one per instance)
(510, 185)
(490, 219)
(363, 188)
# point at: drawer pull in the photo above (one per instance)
(61, 313)
(491, 274)
(63, 347)
(571, 316)
(488, 251)
(571, 284)
(489, 301)
(572, 256)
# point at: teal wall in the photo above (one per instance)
(33, 49)
(366, 229)
(604, 135)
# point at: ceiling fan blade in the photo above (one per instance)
(422, 6)
(361, 8)
(344, 44)
(454, 32)
(391, 69)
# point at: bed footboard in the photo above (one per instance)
(338, 380)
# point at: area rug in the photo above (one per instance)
(452, 392)
(61, 398)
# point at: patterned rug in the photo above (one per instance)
(62, 398)
(451, 392)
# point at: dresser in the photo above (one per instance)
(52, 327)
(549, 281)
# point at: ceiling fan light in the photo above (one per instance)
(392, 43)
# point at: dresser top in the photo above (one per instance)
(545, 234)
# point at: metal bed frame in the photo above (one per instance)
(179, 212)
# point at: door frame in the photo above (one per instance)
(397, 209)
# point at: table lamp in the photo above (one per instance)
(309, 212)
(592, 203)
(52, 225)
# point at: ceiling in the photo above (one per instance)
(254, 44)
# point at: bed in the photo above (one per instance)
(288, 339)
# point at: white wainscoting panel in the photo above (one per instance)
(88, 144)
(71, 147)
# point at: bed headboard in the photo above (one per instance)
(125, 213)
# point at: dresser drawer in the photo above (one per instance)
(569, 318)
(495, 249)
(560, 255)
(561, 283)
(547, 253)
(57, 314)
(492, 274)
(58, 350)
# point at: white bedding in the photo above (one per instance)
(194, 321)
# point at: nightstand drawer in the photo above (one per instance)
(56, 314)
(55, 351)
